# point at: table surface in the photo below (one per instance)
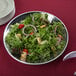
(66, 11)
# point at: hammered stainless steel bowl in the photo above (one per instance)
(22, 16)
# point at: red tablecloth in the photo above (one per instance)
(66, 11)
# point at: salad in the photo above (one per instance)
(35, 39)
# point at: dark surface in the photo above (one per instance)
(66, 11)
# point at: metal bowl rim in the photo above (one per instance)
(35, 63)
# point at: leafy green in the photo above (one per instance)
(48, 35)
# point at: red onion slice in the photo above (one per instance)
(35, 30)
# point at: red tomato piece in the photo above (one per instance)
(21, 26)
(25, 50)
(31, 33)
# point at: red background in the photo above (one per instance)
(66, 11)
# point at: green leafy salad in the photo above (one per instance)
(35, 39)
